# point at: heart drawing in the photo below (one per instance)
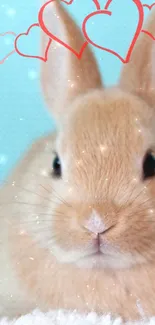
(27, 34)
(10, 53)
(68, 2)
(149, 6)
(88, 38)
(105, 13)
(45, 29)
(97, 4)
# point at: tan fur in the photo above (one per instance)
(102, 140)
(138, 75)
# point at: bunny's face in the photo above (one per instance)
(104, 212)
(101, 207)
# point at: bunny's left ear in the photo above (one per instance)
(65, 76)
(138, 76)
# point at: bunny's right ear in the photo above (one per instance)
(138, 76)
(64, 76)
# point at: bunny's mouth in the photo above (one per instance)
(95, 260)
(106, 260)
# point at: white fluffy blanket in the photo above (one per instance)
(63, 318)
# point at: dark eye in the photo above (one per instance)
(149, 165)
(56, 167)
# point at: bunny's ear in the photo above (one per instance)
(138, 76)
(65, 76)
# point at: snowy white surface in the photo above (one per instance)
(65, 318)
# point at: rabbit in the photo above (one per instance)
(78, 212)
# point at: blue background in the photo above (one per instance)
(23, 114)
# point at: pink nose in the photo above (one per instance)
(95, 224)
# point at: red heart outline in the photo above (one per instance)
(45, 58)
(138, 30)
(149, 6)
(143, 30)
(108, 4)
(148, 33)
(97, 4)
(10, 53)
(67, 2)
(71, 1)
(46, 31)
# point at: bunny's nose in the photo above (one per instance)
(95, 224)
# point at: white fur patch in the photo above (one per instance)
(60, 317)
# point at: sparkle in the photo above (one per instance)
(139, 130)
(3, 159)
(144, 189)
(79, 162)
(151, 211)
(47, 146)
(11, 12)
(58, 45)
(31, 258)
(135, 180)
(8, 41)
(102, 148)
(71, 84)
(32, 74)
(43, 172)
(22, 232)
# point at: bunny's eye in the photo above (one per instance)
(149, 165)
(56, 168)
